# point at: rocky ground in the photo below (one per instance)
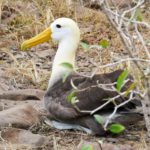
(24, 76)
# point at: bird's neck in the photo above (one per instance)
(66, 53)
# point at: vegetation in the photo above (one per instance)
(114, 36)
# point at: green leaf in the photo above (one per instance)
(121, 79)
(99, 119)
(70, 96)
(67, 65)
(116, 128)
(104, 43)
(74, 100)
(65, 76)
(132, 86)
(139, 15)
(85, 46)
(87, 147)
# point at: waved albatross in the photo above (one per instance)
(88, 93)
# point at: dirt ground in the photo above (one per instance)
(21, 20)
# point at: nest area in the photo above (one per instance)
(21, 70)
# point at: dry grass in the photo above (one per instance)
(21, 20)
(24, 19)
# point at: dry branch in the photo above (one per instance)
(118, 17)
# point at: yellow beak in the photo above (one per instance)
(40, 38)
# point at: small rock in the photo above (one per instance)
(19, 139)
(22, 116)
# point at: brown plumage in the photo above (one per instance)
(90, 96)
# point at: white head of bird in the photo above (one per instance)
(67, 33)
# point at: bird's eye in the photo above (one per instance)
(58, 25)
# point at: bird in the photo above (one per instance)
(85, 91)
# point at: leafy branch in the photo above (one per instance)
(72, 98)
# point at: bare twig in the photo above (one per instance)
(122, 24)
(115, 110)
(107, 102)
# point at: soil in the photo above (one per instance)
(21, 20)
